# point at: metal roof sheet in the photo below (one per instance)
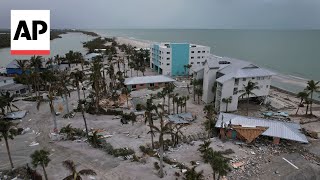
(284, 130)
(147, 80)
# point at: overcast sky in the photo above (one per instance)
(216, 14)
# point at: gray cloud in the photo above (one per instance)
(221, 14)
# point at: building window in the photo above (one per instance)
(168, 64)
(253, 78)
(258, 78)
(244, 79)
(236, 82)
(199, 51)
(198, 62)
(267, 86)
(151, 84)
(192, 51)
(168, 58)
(5, 81)
(191, 62)
(168, 52)
(134, 86)
(192, 57)
(203, 51)
(141, 84)
(202, 57)
(198, 57)
(235, 91)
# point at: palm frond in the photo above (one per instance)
(87, 172)
(69, 164)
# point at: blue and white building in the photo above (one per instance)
(170, 58)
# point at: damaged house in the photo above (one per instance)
(249, 128)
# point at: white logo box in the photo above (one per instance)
(22, 46)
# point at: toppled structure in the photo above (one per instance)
(182, 118)
(249, 128)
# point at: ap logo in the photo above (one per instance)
(30, 32)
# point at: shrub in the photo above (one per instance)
(147, 150)
(156, 165)
(177, 174)
(138, 107)
(227, 152)
(168, 160)
(122, 152)
(135, 158)
(107, 147)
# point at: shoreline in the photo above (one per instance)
(290, 81)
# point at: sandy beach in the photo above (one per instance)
(286, 82)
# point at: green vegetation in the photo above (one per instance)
(41, 158)
(7, 131)
(54, 34)
(75, 175)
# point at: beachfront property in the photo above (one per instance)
(8, 85)
(249, 128)
(136, 83)
(91, 56)
(229, 76)
(170, 58)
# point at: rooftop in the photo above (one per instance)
(284, 130)
(167, 44)
(2, 78)
(13, 87)
(147, 80)
(92, 55)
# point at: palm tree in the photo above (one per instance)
(218, 163)
(311, 88)
(247, 91)
(303, 95)
(187, 66)
(63, 82)
(82, 106)
(75, 175)
(186, 98)
(169, 89)
(96, 81)
(177, 130)
(36, 65)
(95, 139)
(199, 92)
(209, 124)
(7, 132)
(41, 157)
(51, 97)
(6, 101)
(162, 130)
(77, 77)
(162, 94)
(192, 174)
(148, 117)
(227, 101)
(22, 64)
(126, 91)
(174, 100)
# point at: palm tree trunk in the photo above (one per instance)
(168, 104)
(85, 120)
(177, 107)
(227, 107)
(198, 99)
(185, 105)
(311, 103)
(67, 103)
(248, 106)
(299, 106)
(8, 151)
(307, 108)
(161, 157)
(44, 172)
(194, 93)
(55, 126)
(78, 91)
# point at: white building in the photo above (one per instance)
(229, 76)
(170, 58)
(8, 85)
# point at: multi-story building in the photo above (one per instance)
(170, 58)
(228, 77)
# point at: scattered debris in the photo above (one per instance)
(34, 144)
(290, 163)
(237, 164)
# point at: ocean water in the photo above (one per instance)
(70, 41)
(294, 54)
